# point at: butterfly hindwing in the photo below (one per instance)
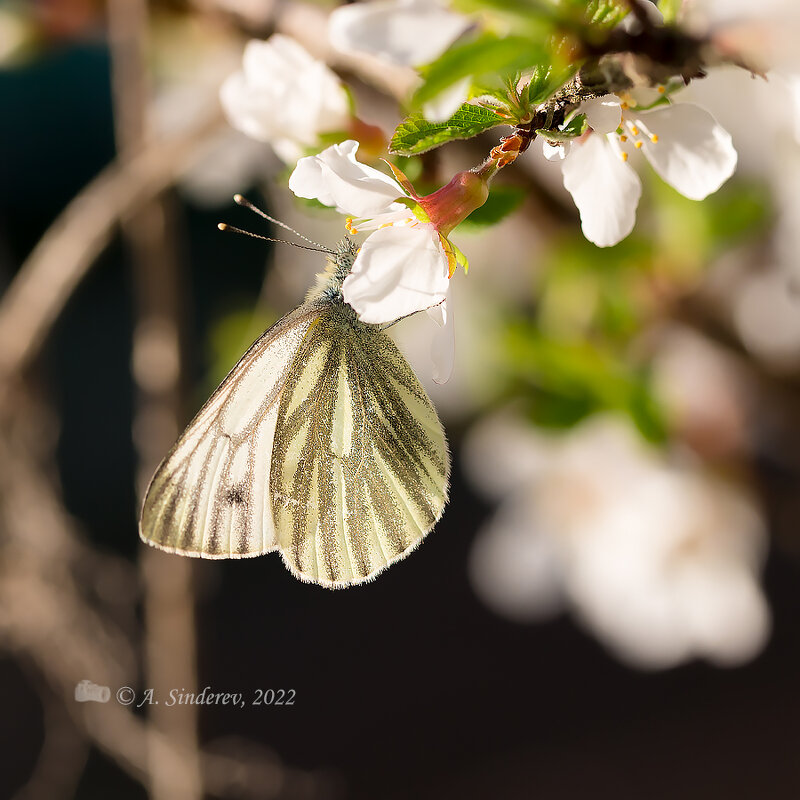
(210, 495)
(360, 465)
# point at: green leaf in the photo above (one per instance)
(670, 9)
(502, 201)
(544, 82)
(606, 13)
(417, 135)
(575, 127)
(486, 54)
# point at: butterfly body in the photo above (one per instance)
(320, 444)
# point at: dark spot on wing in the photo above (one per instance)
(235, 496)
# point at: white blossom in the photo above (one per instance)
(683, 143)
(402, 266)
(284, 96)
(404, 33)
(658, 559)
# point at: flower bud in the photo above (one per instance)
(453, 203)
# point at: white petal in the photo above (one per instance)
(280, 58)
(694, 153)
(517, 567)
(443, 344)
(603, 113)
(553, 152)
(283, 93)
(605, 190)
(446, 103)
(407, 33)
(398, 271)
(335, 178)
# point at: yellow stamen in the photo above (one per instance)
(654, 138)
(386, 225)
(624, 106)
(623, 137)
(661, 89)
(638, 145)
(624, 156)
(634, 130)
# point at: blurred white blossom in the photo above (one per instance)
(404, 33)
(284, 96)
(659, 560)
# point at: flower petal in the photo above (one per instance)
(605, 190)
(447, 102)
(406, 33)
(399, 270)
(335, 178)
(604, 114)
(555, 152)
(283, 94)
(694, 153)
(443, 343)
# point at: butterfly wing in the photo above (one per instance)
(360, 464)
(209, 497)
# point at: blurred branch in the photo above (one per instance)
(170, 651)
(70, 246)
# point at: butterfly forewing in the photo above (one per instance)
(210, 495)
(359, 464)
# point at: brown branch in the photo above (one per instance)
(70, 246)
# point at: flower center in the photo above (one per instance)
(632, 131)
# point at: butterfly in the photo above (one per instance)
(320, 444)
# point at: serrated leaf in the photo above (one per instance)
(486, 54)
(417, 135)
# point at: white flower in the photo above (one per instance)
(660, 562)
(683, 143)
(285, 97)
(405, 33)
(402, 266)
(405, 264)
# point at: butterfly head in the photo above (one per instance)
(328, 287)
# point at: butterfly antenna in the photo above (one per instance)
(223, 226)
(242, 201)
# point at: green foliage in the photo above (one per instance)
(545, 80)
(670, 9)
(486, 54)
(575, 127)
(566, 381)
(230, 335)
(416, 135)
(502, 201)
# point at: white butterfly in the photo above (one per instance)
(321, 444)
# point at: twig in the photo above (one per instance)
(70, 246)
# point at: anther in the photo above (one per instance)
(653, 137)
(638, 145)
(661, 89)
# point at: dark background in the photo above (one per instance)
(407, 687)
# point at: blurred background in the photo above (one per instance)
(609, 603)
